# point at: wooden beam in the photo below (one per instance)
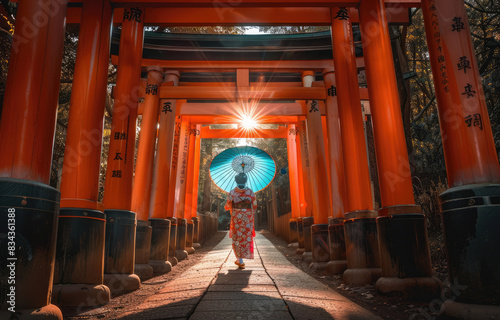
(269, 86)
(238, 16)
(241, 133)
(235, 120)
(232, 66)
(231, 4)
(231, 109)
(231, 94)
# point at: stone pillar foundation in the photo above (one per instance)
(158, 257)
(142, 248)
(189, 238)
(300, 236)
(336, 238)
(48, 312)
(471, 223)
(121, 283)
(36, 214)
(180, 252)
(80, 295)
(172, 242)
(404, 254)
(79, 265)
(307, 223)
(363, 261)
(119, 252)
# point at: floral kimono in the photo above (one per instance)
(242, 203)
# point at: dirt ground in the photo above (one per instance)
(386, 306)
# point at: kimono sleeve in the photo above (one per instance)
(254, 202)
(229, 202)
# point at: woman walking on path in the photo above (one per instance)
(242, 203)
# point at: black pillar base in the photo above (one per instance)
(158, 256)
(320, 247)
(307, 223)
(172, 241)
(300, 236)
(471, 223)
(119, 252)
(142, 250)
(80, 258)
(189, 237)
(180, 246)
(404, 254)
(336, 238)
(196, 232)
(35, 217)
(293, 232)
(363, 261)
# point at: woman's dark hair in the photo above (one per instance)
(241, 179)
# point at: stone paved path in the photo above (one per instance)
(269, 288)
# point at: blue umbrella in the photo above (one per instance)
(256, 163)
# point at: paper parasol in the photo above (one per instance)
(256, 163)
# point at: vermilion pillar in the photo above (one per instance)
(120, 162)
(302, 186)
(326, 140)
(173, 188)
(27, 138)
(180, 188)
(401, 226)
(82, 153)
(162, 227)
(190, 172)
(317, 158)
(120, 169)
(196, 171)
(336, 163)
(82, 224)
(465, 126)
(293, 170)
(392, 156)
(306, 168)
(161, 179)
(196, 178)
(189, 188)
(300, 166)
(357, 175)
(31, 94)
(320, 192)
(141, 191)
(293, 178)
(171, 208)
(362, 248)
(470, 216)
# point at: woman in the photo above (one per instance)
(242, 203)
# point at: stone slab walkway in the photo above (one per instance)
(269, 288)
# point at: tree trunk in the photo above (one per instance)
(398, 41)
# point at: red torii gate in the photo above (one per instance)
(27, 132)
